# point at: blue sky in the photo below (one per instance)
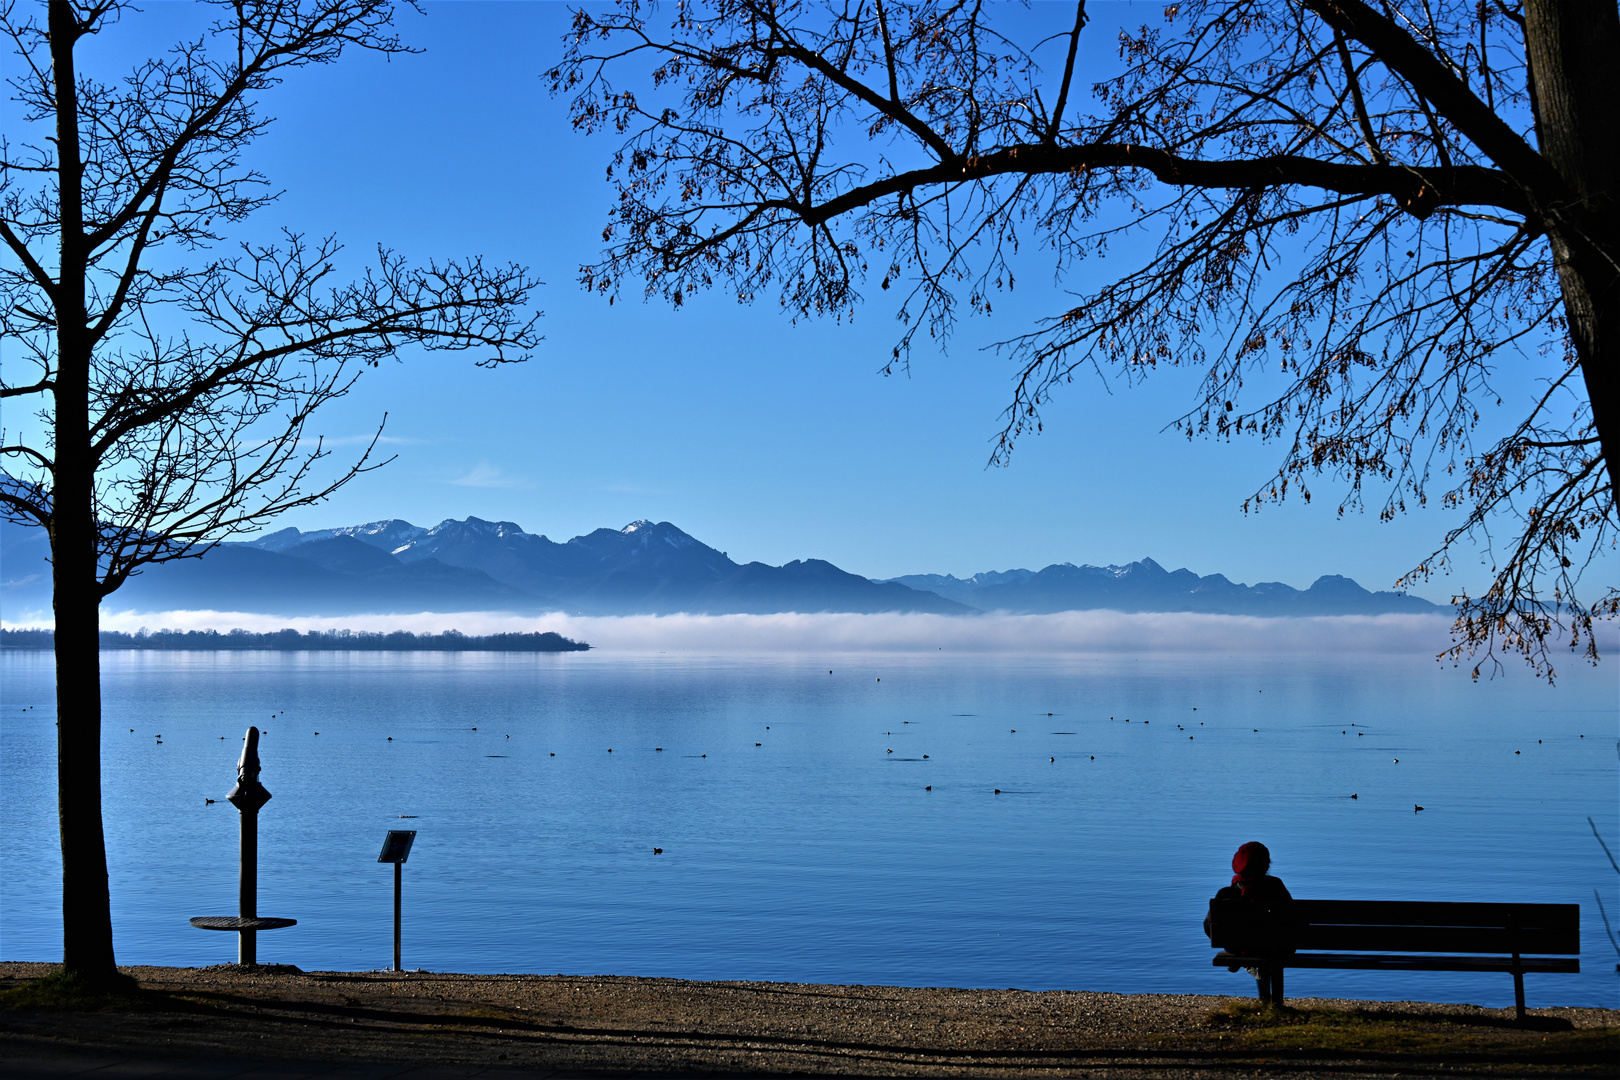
(769, 440)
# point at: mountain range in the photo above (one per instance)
(1147, 586)
(644, 568)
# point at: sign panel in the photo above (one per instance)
(397, 847)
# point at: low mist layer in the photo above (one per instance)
(1067, 632)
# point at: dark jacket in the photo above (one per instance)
(1268, 892)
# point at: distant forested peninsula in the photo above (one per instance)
(314, 640)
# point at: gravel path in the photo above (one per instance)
(657, 1025)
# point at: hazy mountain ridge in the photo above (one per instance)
(644, 568)
(948, 585)
(1146, 586)
(395, 566)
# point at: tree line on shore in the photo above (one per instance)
(313, 640)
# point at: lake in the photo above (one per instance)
(791, 799)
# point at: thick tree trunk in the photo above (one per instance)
(1572, 46)
(87, 946)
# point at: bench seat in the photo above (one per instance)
(1363, 962)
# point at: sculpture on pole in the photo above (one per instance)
(248, 796)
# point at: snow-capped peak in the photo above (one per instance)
(373, 528)
(479, 525)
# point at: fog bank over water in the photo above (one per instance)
(1066, 632)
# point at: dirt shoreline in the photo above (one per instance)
(624, 1023)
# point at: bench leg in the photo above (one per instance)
(1518, 993)
(1277, 985)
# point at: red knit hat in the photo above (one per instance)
(1251, 861)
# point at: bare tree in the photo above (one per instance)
(1386, 203)
(172, 386)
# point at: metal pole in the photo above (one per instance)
(248, 894)
(398, 869)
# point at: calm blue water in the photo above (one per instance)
(819, 855)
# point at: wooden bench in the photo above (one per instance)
(1395, 935)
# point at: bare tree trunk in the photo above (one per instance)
(1573, 45)
(87, 946)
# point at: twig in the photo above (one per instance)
(1604, 846)
(1606, 928)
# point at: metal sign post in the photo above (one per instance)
(396, 849)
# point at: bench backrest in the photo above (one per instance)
(1400, 926)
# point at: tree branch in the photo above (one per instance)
(1360, 102)
(1398, 51)
(26, 257)
(1068, 72)
(895, 110)
(1466, 185)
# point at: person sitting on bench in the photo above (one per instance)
(1252, 881)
